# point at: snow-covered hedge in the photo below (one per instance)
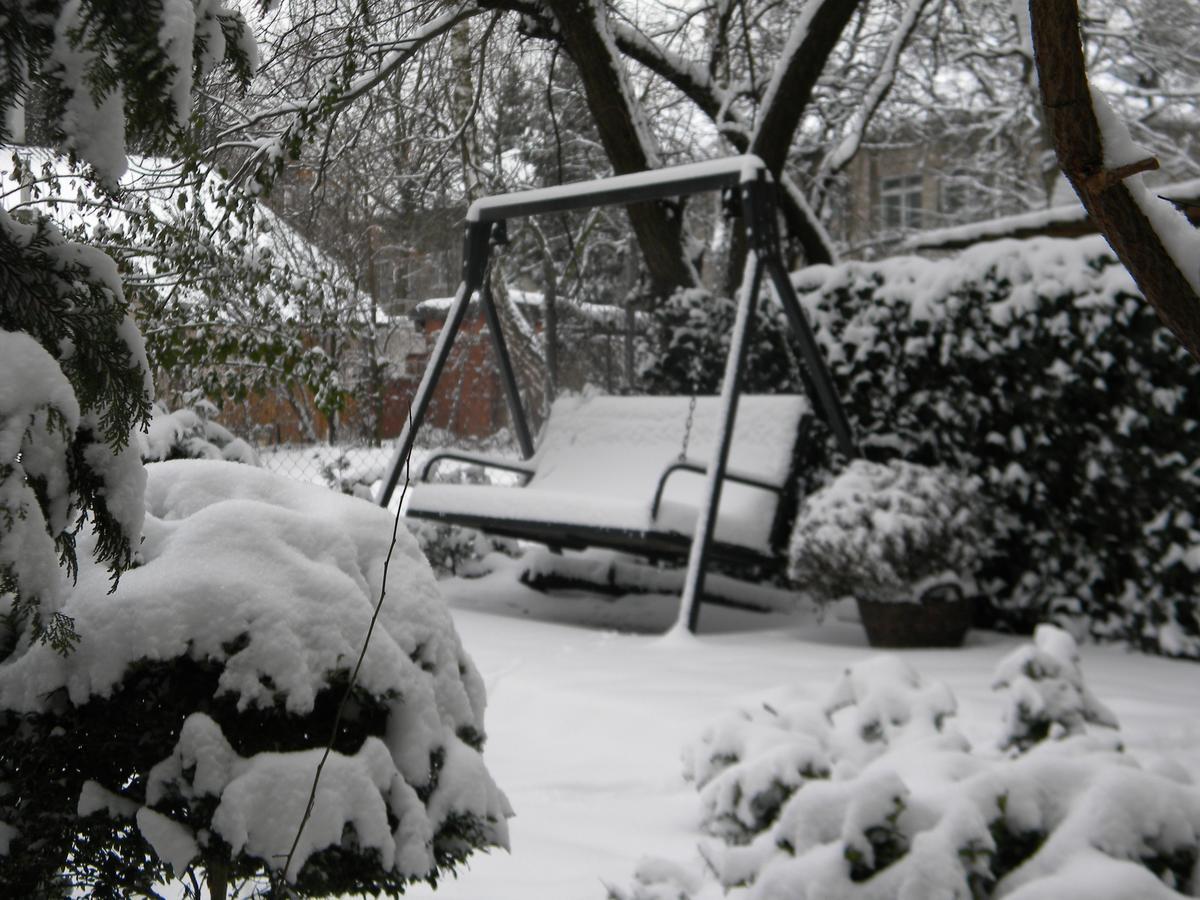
(875, 794)
(888, 532)
(1036, 366)
(186, 727)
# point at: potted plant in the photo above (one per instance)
(904, 540)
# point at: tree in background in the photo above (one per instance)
(807, 85)
(406, 45)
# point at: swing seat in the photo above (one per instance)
(608, 473)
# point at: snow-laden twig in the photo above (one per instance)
(838, 158)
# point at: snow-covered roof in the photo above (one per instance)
(76, 202)
(63, 192)
(1067, 220)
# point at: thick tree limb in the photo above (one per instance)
(695, 84)
(1078, 141)
(806, 53)
(689, 78)
(582, 29)
(812, 39)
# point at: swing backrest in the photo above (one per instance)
(619, 446)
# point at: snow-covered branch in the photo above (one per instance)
(880, 85)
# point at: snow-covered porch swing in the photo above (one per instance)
(614, 472)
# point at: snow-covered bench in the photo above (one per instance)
(608, 472)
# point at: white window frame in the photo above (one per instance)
(902, 202)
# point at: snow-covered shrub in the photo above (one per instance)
(750, 762)
(1047, 694)
(341, 474)
(660, 879)
(906, 808)
(1036, 366)
(888, 532)
(689, 341)
(454, 550)
(192, 433)
(184, 731)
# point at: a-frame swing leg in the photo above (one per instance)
(475, 257)
(817, 373)
(476, 249)
(731, 386)
(759, 215)
(507, 376)
(420, 404)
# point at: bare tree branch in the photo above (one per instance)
(809, 45)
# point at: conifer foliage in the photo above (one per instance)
(72, 362)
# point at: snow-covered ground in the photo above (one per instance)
(589, 709)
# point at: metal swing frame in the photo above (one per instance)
(755, 196)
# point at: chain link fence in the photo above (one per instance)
(349, 467)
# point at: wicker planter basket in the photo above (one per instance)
(930, 623)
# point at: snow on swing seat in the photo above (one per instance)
(600, 463)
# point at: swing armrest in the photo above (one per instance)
(479, 459)
(687, 465)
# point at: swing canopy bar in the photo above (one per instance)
(641, 187)
(659, 535)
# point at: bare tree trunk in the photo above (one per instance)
(1078, 141)
(304, 417)
(331, 434)
(217, 876)
(813, 38)
(463, 100)
(658, 226)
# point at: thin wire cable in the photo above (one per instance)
(337, 719)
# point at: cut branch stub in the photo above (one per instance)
(1101, 181)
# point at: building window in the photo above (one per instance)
(900, 199)
(955, 196)
(26, 170)
(384, 281)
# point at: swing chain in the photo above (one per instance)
(687, 429)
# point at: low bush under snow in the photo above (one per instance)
(874, 793)
(887, 532)
(203, 689)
